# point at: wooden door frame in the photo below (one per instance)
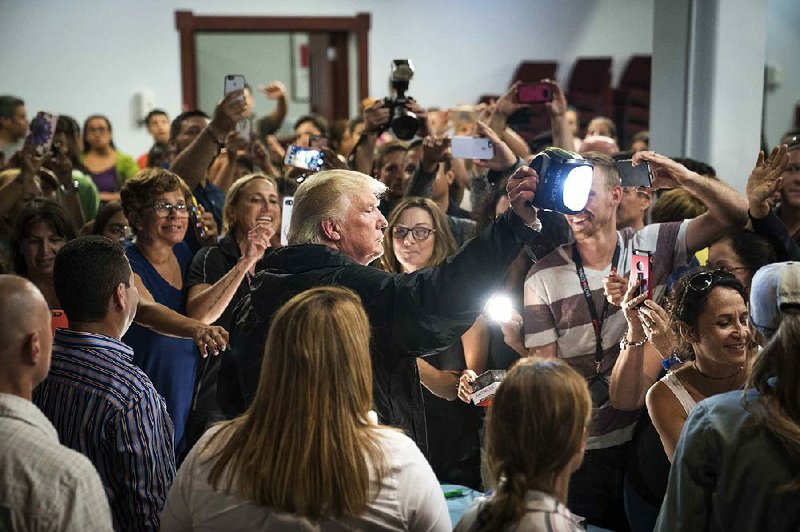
(188, 24)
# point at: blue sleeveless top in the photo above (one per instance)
(171, 363)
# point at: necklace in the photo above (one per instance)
(709, 377)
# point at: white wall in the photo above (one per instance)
(86, 56)
(783, 51)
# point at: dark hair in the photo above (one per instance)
(139, 191)
(177, 122)
(753, 250)
(8, 105)
(486, 214)
(697, 167)
(105, 214)
(151, 114)
(612, 127)
(38, 210)
(70, 127)
(779, 406)
(158, 155)
(319, 123)
(685, 305)
(384, 151)
(86, 125)
(86, 273)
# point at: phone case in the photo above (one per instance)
(634, 176)
(486, 385)
(286, 218)
(471, 148)
(640, 267)
(233, 82)
(304, 158)
(539, 93)
(43, 129)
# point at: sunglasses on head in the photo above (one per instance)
(705, 280)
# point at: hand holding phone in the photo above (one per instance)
(640, 268)
(233, 83)
(634, 176)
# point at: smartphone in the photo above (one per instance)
(471, 148)
(43, 129)
(305, 158)
(286, 218)
(233, 83)
(194, 216)
(640, 267)
(58, 320)
(634, 176)
(534, 93)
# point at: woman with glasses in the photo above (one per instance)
(156, 203)
(111, 223)
(709, 319)
(418, 236)
(108, 167)
(307, 453)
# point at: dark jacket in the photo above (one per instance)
(410, 314)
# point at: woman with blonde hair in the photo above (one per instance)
(305, 455)
(536, 435)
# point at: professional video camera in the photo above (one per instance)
(403, 123)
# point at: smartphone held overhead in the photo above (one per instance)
(233, 83)
(471, 148)
(534, 93)
(634, 176)
(305, 158)
(42, 131)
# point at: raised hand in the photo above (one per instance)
(655, 321)
(228, 113)
(765, 180)
(376, 117)
(666, 172)
(273, 90)
(503, 157)
(558, 105)
(615, 287)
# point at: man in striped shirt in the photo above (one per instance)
(566, 314)
(100, 403)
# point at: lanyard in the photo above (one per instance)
(597, 322)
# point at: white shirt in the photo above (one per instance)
(409, 499)
(44, 485)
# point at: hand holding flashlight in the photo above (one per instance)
(521, 189)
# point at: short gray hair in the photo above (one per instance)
(326, 196)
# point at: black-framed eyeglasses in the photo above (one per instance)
(419, 233)
(165, 208)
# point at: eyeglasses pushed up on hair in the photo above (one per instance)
(419, 233)
(165, 208)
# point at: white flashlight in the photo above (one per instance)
(499, 308)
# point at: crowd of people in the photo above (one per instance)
(212, 336)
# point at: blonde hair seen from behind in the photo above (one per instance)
(304, 446)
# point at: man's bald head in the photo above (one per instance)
(25, 337)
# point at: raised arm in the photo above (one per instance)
(207, 302)
(726, 207)
(557, 107)
(376, 116)
(193, 162)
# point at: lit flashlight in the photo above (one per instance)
(499, 308)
